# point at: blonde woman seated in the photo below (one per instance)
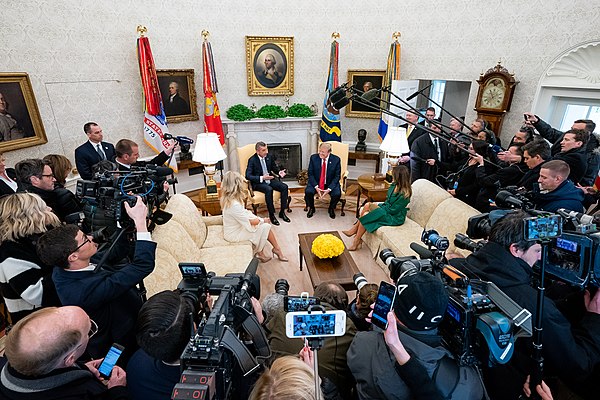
(240, 224)
(392, 212)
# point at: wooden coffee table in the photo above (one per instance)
(374, 190)
(337, 270)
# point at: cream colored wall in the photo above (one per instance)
(81, 55)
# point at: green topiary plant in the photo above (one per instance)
(270, 112)
(240, 112)
(300, 111)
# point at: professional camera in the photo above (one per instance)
(479, 226)
(359, 280)
(433, 239)
(104, 196)
(481, 323)
(465, 242)
(282, 287)
(512, 197)
(229, 343)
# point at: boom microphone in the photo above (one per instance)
(160, 171)
(418, 92)
(180, 139)
(423, 252)
(370, 94)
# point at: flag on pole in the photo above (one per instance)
(212, 115)
(155, 120)
(392, 73)
(330, 121)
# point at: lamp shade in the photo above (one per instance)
(395, 142)
(208, 149)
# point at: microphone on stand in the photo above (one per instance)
(418, 92)
(370, 94)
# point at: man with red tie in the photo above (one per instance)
(324, 170)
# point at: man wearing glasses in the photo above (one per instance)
(110, 297)
(42, 351)
(35, 176)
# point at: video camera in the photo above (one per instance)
(218, 352)
(481, 322)
(105, 195)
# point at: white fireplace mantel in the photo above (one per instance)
(285, 130)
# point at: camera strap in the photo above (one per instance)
(241, 353)
(252, 327)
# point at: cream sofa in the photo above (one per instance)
(431, 207)
(190, 237)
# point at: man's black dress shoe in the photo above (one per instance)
(311, 212)
(274, 220)
(331, 214)
(284, 217)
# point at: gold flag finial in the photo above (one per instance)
(205, 34)
(396, 35)
(141, 30)
(335, 35)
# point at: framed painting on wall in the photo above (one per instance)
(20, 122)
(178, 94)
(270, 65)
(365, 80)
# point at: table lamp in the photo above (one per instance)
(209, 152)
(394, 144)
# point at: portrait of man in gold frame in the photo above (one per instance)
(178, 94)
(20, 121)
(365, 80)
(270, 65)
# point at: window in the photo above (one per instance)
(571, 110)
(438, 88)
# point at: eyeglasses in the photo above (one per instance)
(48, 175)
(93, 328)
(85, 240)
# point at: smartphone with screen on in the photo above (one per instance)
(298, 303)
(383, 304)
(110, 360)
(315, 324)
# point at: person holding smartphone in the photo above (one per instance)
(42, 351)
(378, 359)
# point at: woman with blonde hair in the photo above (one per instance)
(25, 281)
(288, 378)
(240, 224)
(61, 168)
(392, 212)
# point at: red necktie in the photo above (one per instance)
(322, 180)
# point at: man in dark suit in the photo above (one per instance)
(175, 104)
(127, 154)
(413, 129)
(323, 182)
(93, 151)
(430, 156)
(261, 172)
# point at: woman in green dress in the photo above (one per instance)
(392, 212)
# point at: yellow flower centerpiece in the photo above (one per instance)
(327, 246)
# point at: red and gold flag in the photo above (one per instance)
(212, 114)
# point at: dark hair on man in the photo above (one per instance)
(518, 147)
(481, 147)
(490, 136)
(528, 131)
(538, 147)
(124, 146)
(510, 230)
(558, 167)
(259, 145)
(430, 109)
(29, 167)
(590, 126)
(580, 135)
(163, 326)
(55, 246)
(332, 294)
(87, 128)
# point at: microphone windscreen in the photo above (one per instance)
(162, 171)
(423, 252)
(370, 94)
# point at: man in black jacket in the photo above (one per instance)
(128, 152)
(572, 151)
(534, 155)
(35, 176)
(93, 151)
(42, 351)
(554, 136)
(429, 156)
(571, 351)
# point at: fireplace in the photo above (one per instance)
(287, 156)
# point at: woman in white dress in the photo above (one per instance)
(240, 224)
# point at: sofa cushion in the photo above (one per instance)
(184, 212)
(174, 239)
(450, 218)
(226, 259)
(166, 275)
(215, 238)
(399, 238)
(425, 198)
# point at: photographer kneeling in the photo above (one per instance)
(109, 297)
(570, 351)
(383, 372)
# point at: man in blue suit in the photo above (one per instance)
(93, 151)
(261, 172)
(322, 182)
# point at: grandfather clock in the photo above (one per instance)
(496, 89)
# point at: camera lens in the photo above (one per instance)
(282, 287)
(386, 255)
(359, 280)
